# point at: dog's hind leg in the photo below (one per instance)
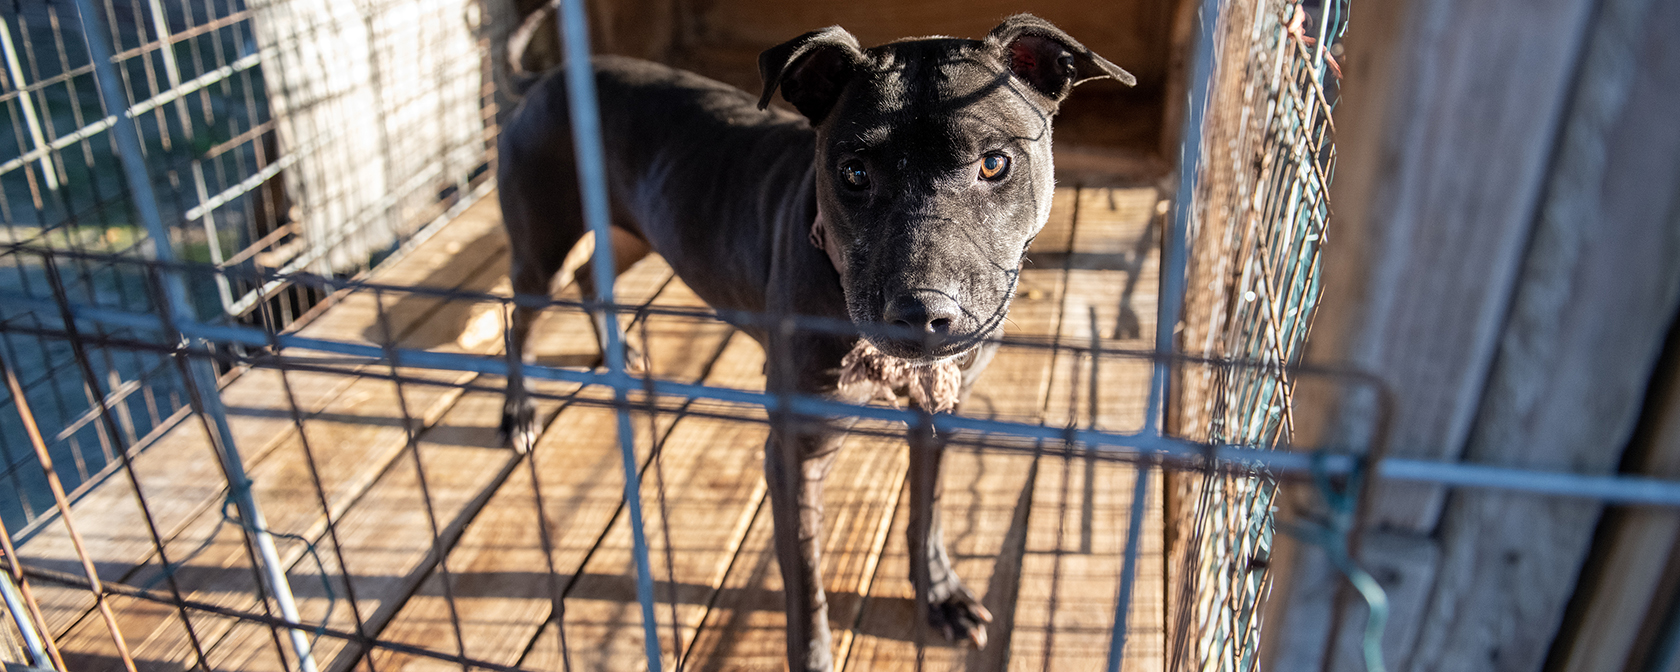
(540, 209)
(627, 248)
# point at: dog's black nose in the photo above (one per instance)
(924, 312)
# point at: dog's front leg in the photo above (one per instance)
(796, 460)
(942, 601)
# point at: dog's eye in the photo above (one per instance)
(994, 167)
(854, 175)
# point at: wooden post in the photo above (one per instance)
(1503, 257)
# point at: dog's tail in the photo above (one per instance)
(520, 80)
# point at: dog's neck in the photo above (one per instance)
(870, 374)
(823, 239)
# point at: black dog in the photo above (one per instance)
(903, 197)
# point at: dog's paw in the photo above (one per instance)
(960, 617)
(635, 363)
(518, 430)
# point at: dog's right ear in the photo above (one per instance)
(811, 70)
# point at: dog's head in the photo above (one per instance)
(933, 169)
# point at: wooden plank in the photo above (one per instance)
(500, 575)
(499, 572)
(448, 260)
(353, 443)
(985, 521)
(349, 447)
(1070, 577)
(1596, 299)
(1071, 569)
(179, 473)
(744, 627)
(1437, 179)
(1623, 593)
(1438, 176)
(1531, 336)
(698, 502)
(386, 537)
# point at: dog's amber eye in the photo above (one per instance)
(854, 175)
(993, 166)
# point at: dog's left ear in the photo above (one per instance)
(812, 70)
(1043, 56)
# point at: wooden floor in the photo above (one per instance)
(1040, 538)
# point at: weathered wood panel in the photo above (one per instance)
(1623, 597)
(1596, 296)
(1505, 263)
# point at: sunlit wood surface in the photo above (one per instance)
(1039, 536)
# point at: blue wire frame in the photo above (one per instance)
(1271, 223)
(1260, 218)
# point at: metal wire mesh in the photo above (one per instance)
(287, 135)
(1260, 216)
(297, 142)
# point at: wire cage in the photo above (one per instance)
(1259, 217)
(236, 476)
(290, 136)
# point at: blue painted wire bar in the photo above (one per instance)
(1610, 489)
(592, 183)
(1175, 257)
(178, 311)
(1128, 570)
(34, 648)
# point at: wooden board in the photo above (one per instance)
(500, 575)
(985, 518)
(744, 626)
(1511, 287)
(354, 437)
(179, 473)
(1010, 522)
(698, 501)
(1070, 577)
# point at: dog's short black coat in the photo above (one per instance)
(903, 195)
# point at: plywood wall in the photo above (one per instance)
(1104, 126)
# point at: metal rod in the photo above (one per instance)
(30, 608)
(30, 118)
(1128, 570)
(137, 109)
(1614, 489)
(592, 183)
(15, 606)
(309, 460)
(62, 502)
(1174, 259)
(177, 310)
(78, 347)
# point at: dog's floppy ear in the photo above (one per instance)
(1043, 56)
(811, 69)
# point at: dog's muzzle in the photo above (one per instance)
(923, 326)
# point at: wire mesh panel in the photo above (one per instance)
(1259, 219)
(285, 135)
